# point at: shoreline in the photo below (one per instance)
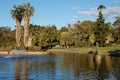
(52, 52)
(65, 50)
(58, 51)
(29, 52)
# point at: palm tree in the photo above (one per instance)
(101, 7)
(17, 16)
(28, 12)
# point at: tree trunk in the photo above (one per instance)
(18, 32)
(17, 70)
(25, 70)
(26, 31)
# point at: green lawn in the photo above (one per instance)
(87, 49)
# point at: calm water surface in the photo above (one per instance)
(60, 67)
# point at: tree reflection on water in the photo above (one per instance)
(61, 67)
(87, 66)
(116, 67)
(24, 70)
(17, 70)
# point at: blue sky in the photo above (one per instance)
(60, 12)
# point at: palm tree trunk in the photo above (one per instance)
(18, 33)
(25, 70)
(17, 70)
(26, 31)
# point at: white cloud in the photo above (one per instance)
(90, 13)
(73, 20)
(112, 12)
(75, 17)
(115, 1)
(109, 12)
(75, 8)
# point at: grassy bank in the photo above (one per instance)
(103, 50)
(86, 50)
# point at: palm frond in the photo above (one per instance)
(28, 10)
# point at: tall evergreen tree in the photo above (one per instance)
(100, 32)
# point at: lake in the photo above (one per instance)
(66, 66)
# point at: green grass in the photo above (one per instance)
(4, 48)
(113, 47)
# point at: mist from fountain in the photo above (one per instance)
(15, 53)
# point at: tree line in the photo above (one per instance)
(79, 34)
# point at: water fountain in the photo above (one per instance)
(15, 53)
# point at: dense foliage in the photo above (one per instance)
(79, 34)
